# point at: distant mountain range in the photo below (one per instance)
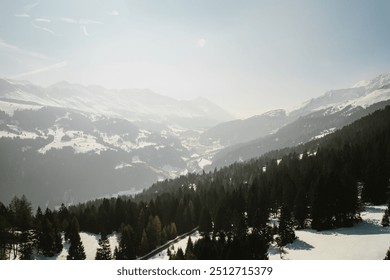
(70, 143)
(285, 128)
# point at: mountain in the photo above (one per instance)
(69, 143)
(240, 131)
(313, 119)
(128, 104)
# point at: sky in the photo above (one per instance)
(246, 56)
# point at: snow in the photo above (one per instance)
(372, 98)
(274, 113)
(362, 83)
(136, 159)
(180, 244)
(20, 134)
(324, 133)
(122, 165)
(368, 240)
(79, 141)
(204, 162)
(90, 243)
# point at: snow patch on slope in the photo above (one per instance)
(78, 140)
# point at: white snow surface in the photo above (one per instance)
(363, 94)
(90, 243)
(79, 141)
(368, 240)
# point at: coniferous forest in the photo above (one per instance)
(322, 184)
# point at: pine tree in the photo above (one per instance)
(286, 228)
(127, 245)
(153, 232)
(4, 233)
(21, 213)
(189, 253)
(26, 246)
(205, 224)
(387, 257)
(385, 219)
(76, 249)
(179, 255)
(169, 253)
(46, 240)
(103, 252)
(144, 246)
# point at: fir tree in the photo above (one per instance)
(76, 249)
(153, 231)
(103, 252)
(387, 257)
(385, 219)
(179, 255)
(189, 253)
(286, 228)
(127, 246)
(48, 239)
(205, 224)
(72, 229)
(144, 246)
(26, 247)
(21, 213)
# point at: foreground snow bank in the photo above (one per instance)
(368, 240)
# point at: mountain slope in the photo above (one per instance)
(313, 119)
(240, 131)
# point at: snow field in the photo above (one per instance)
(368, 240)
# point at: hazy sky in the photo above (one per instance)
(247, 56)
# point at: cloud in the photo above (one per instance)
(40, 70)
(114, 13)
(22, 15)
(82, 21)
(18, 51)
(42, 20)
(43, 28)
(201, 43)
(68, 20)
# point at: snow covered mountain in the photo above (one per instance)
(312, 119)
(133, 105)
(69, 143)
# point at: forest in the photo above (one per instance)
(239, 209)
